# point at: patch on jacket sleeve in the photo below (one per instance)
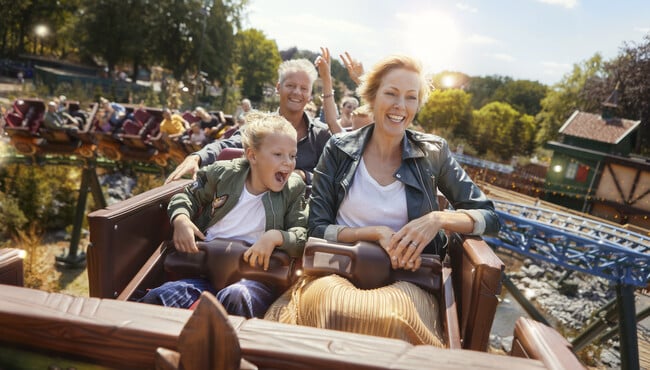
(218, 202)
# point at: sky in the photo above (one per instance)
(537, 40)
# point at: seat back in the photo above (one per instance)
(11, 266)
(476, 272)
(230, 153)
(124, 235)
(534, 340)
(131, 127)
(141, 116)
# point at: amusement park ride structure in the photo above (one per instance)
(567, 240)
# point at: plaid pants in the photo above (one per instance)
(248, 298)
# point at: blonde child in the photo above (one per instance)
(257, 199)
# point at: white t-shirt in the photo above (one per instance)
(368, 203)
(246, 221)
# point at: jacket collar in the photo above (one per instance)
(353, 143)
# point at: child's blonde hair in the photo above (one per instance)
(259, 125)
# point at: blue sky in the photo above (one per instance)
(525, 39)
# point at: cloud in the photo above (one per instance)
(569, 4)
(642, 29)
(502, 57)
(482, 40)
(466, 8)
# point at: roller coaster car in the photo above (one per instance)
(130, 242)
(22, 122)
(81, 141)
(128, 245)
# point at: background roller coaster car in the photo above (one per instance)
(24, 126)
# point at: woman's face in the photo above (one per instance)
(348, 108)
(294, 91)
(396, 102)
(273, 162)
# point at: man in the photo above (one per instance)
(295, 81)
(244, 108)
(54, 120)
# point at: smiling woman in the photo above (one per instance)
(433, 37)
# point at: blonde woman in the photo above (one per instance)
(378, 184)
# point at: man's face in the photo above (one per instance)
(294, 91)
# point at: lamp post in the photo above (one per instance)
(205, 10)
(41, 32)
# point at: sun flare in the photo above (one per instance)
(433, 37)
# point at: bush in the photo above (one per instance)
(12, 218)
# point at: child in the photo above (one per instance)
(197, 136)
(257, 199)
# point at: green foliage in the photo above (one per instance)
(523, 95)
(501, 129)
(447, 109)
(483, 89)
(46, 195)
(12, 218)
(258, 59)
(565, 97)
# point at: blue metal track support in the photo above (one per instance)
(582, 244)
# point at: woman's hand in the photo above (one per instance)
(354, 67)
(407, 244)
(260, 252)
(184, 233)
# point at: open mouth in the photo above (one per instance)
(281, 177)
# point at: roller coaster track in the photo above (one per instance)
(586, 245)
(574, 242)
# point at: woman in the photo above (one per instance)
(379, 184)
(348, 105)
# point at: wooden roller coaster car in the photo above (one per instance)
(128, 243)
(24, 126)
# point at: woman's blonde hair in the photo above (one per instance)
(297, 65)
(371, 80)
(259, 125)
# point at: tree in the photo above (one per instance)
(258, 60)
(447, 109)
(628, 73)
(523, 95)
(483, 89)
(113, 29)
(500, 129)
(565, 97)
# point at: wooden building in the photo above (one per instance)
(592, 170)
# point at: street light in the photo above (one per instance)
(41, 31)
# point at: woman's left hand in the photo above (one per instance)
(259, 254)
(407, 244)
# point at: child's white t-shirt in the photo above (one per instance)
(246, 221)
(368, 203)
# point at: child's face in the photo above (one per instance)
(273, 162)
(196, 129)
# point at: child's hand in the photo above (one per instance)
(260, 252)
(184, 233)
